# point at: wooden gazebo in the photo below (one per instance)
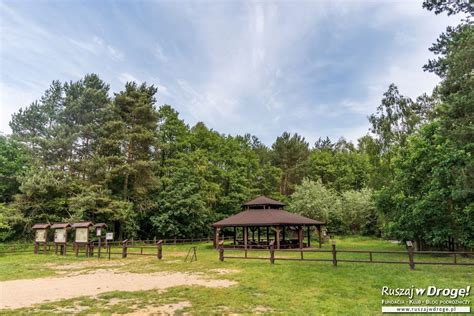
(267, 219)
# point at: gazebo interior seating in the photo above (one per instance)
(264, 220)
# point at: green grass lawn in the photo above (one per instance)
(288, 287)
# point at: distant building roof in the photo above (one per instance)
(82, 225)
(263, 200)
(40, 226)
(266, 217)
(60, 225)
(101, 225)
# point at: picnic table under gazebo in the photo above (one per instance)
(263, 220)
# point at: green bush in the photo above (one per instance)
(351, 212)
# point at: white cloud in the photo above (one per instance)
(403, 65)
(259, 67)
(162, 90)
(247, 58)
(126, 77)
(160, 54)
(98, 47)
(350, 133)
(114, 53)
(11, 99)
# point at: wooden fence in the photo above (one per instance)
(126, 246)
(410, 253)
(90, 248)
(22, 248)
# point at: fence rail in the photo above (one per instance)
(410, 253)
(21, 248)
(89, 248)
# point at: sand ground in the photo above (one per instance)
(27, 292)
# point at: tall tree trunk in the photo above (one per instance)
(127, 174)
(125, 187)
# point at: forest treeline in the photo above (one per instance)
(83, 153)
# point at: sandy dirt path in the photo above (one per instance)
(23, 293)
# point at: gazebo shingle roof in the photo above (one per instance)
(265, 217)
(263, 200)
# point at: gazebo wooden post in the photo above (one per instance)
(268, 235)
(319, 234)
(216, 236)
(277, 230)
(246, 232)
(283, 233)
(300, 237)
(258, 235)
(253, 234)
(235, 235)
(308, 235)
(278, 237)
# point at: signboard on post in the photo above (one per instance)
(60, 235)
(98, 232)
(40, 235)
(82, 235)
(109, 236)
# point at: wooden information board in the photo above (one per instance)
(82, 235)
(60, 235)
(40, 235)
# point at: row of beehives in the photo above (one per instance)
(82, 232)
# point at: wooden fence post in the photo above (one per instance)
(159, 245)
(272, 252)
(411, 255)
(334, 258)
(124, 248)
(221, 250)
(36, 248)
(100, 246)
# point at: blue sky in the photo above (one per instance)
(317, 68)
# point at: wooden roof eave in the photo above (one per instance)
(267, 225)
(40, 226)
(82, 225)
(60, 225)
